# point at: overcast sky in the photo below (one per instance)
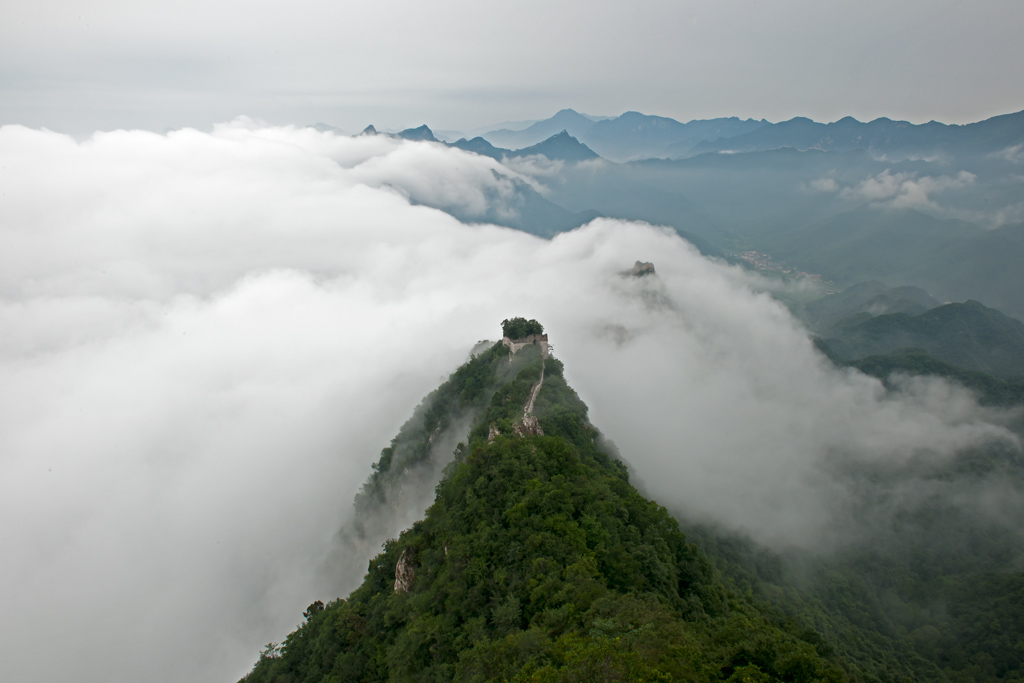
(75, 66)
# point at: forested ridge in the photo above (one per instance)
(539, 561)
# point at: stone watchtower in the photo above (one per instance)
(540, 340)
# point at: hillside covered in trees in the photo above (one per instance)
(538, 561)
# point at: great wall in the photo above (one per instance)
(514, 345)
(528, 425)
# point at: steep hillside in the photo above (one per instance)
(968, 335)
(538, 561)
(987, 267)
(866, 299)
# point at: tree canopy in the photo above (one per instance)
(517, 328)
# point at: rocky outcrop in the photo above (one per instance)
(641, 268)
(528, 426)
(492, 434)
(405, 571)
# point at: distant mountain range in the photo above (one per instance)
(634, 136)
(559, 147)
(881, 135)
(630, 136)
(574, 123)
(641, 136)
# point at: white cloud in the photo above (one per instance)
(207, 338)
(537, 166)
(1013, 154)
(906, 190)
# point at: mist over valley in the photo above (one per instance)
(210, 336)
(517, 342)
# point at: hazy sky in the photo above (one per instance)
(76, 65)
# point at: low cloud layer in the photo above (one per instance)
(903, 190)
(1014, 154)
(944, 196)
(207, 338)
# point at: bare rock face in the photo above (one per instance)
(529, 426)
(492, 434)
(405, 571)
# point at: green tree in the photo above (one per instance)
(517, 328)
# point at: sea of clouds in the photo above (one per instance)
(206, 339)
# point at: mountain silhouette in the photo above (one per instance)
(561, 147)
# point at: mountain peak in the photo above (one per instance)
(560, 146)
(419, 133)
(566, 119)
(479, 146)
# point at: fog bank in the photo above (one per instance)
(208, 338)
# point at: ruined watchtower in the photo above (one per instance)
(520, 332)
(540, 340)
